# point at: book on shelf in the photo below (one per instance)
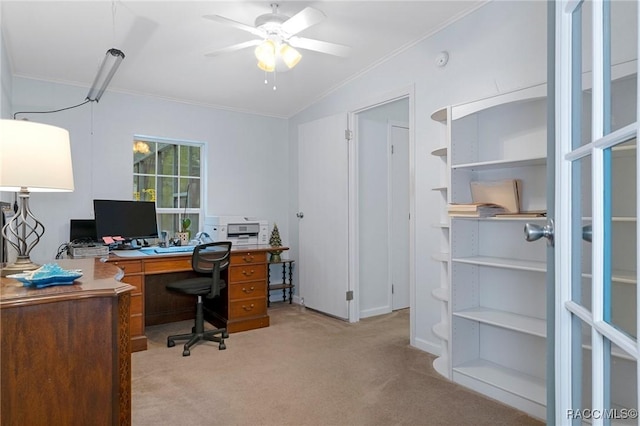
(474, 209)
(505, 193)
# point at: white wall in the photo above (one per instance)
(246, 155)
(498, 48)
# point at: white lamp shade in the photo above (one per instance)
(34, 156)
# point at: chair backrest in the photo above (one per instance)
(210, 259)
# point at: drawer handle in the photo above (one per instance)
(248, 308)
(248, 291)
(247, 274)
(248, 258)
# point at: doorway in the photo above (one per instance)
(382, 222)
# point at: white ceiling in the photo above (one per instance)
(165, 42)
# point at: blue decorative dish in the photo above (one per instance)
(47, 275)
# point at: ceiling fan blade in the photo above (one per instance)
(302, 20)
(240, 25)
(320, 46)
(234, 47)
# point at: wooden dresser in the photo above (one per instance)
(66, 354)
(242, 305)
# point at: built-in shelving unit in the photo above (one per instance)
(442, 330)
(497, 279)
(494, 302)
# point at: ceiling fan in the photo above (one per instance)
(277, 38)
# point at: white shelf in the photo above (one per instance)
(500, 262)
(527, 94)
(512, 381)
(618, 276)
(441, 257)
(441, 330)
(511, 218)
(441, 294)
(440, 115)
(630, 219)
(508, 320)
(501, 164)
(442, 225)
(439, 188)
(441, 365)
(440, 152)
(616, 352)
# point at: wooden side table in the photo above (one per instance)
(287, 281)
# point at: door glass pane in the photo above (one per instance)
(624, 387)
(624, 65)
(621, 248)
(581, 288)
(582, 75)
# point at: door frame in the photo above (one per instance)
(407, 92)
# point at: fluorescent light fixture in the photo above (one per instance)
(108, 68)
(34, 157)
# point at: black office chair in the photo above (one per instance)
(208, 260)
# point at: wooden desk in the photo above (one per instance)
(66, 356)
(242, 305)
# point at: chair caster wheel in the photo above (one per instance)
(170, 343)
(225, 335)
(186, 352)
(222, 347)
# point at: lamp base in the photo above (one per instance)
(19, 266)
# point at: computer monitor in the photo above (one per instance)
(127, 219)
(82, 230)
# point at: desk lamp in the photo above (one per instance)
(34, 157)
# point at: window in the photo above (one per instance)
(170, 174)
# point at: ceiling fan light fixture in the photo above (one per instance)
(267, 66)
(266, 52)
(289, 55)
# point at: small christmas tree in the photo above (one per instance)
(275, 240)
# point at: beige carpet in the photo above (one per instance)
(305, 369)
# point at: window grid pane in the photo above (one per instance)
(170, 175)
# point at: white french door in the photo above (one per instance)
(596, 232)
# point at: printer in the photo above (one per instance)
(237, 229)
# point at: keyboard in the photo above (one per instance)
(164, 250)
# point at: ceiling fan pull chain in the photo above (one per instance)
(274, 79)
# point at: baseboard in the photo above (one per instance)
(427, 346)
(375, 312)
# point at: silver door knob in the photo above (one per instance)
(587, 233)
(533, 232)
(299, 215)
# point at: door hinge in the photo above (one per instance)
(392, 289)
(391, 149)
(349, 295)
(348, 134)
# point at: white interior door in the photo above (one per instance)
(399, 214)
(323, 215)
(596, 345)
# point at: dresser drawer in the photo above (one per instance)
(172, 264)
(247, 308)
(128, 266)
(244, 257)
(248, 290)
(247, 273)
